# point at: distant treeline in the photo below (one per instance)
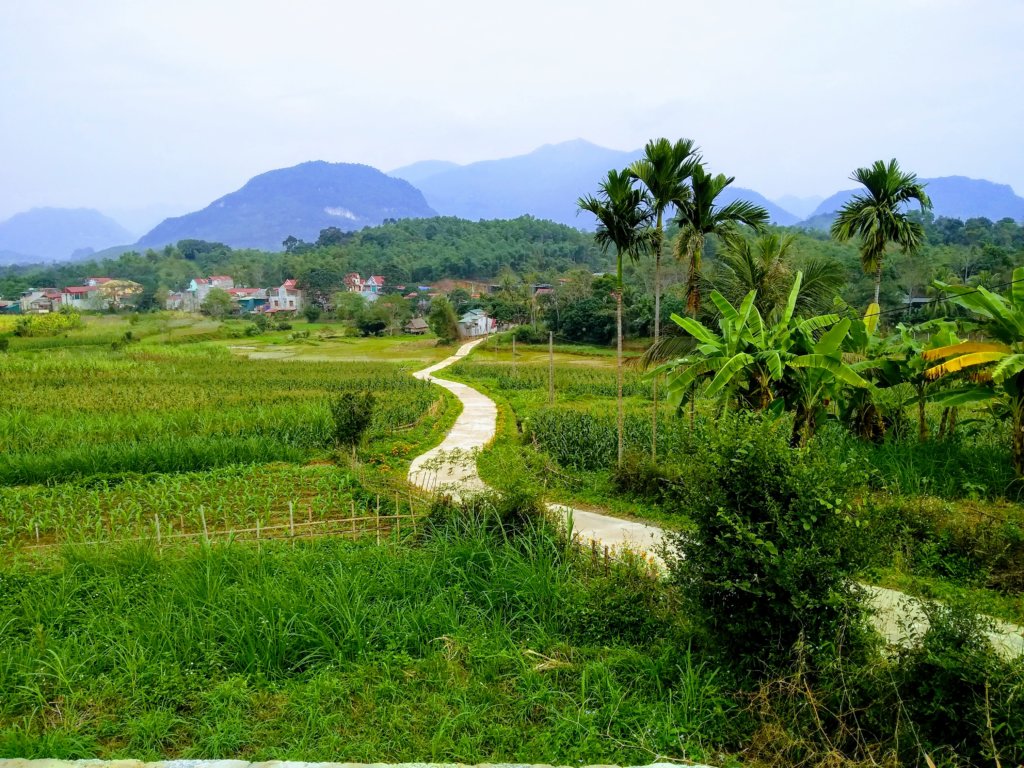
(415, 251)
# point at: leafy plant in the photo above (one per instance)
(352, 413)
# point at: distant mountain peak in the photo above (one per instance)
(300, 201)
(53, 234)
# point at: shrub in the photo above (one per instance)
(283, 325)
(771, 559)
(639, 476)
(528, 334)
(5, 343)
(311, 312)
(352, 413)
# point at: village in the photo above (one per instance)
(106, 294)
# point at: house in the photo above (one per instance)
(200, 287)
(417, 326)
(476, 323)
(10, 307)
(249, 299)
(353, 283)
(175, 300)
(373, 286)
(40, 301)
(285, 298)
(83, 297)
(369, 289)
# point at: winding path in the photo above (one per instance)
(451, 468)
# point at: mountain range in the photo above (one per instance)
(544, 183)
(299, 201)
(52, 234)
(956, 197)
(303, 200)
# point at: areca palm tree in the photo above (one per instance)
(663, 171)
(878, 216)
(624, 216)
(700, 216)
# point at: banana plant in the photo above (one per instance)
(994, 369)
(790, 364)
(891, 362)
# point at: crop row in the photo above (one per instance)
(238, 497)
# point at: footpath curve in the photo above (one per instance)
(451, 468)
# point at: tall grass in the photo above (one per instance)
(76, 413)
(467, 648)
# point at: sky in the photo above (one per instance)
(140, 105)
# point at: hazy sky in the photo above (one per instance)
(122, 104)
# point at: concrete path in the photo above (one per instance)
(451, 468)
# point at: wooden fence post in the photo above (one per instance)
(551, 367)
(291, 518)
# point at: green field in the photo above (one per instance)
(475, 633)
(99, 439)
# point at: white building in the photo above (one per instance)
(476, 323)
(285, 298)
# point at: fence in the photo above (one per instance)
(371, 523)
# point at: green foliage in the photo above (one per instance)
(442, 320)
(217, 303)
(52, 324)
(352, 413)
(312, 312)
(878, 216)
(328, 650)
(772, 554)
(5, 343)
(791, 363)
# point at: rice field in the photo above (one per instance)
(99, 440)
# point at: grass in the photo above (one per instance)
(98, 440)
(462, 649)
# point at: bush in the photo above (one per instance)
(352, 413)
(639, 476)
(311, 312)
(283, 325)
(771, 559)
(5, 343)
(958, 692)
(528, 334)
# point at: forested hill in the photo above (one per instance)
(409, 251)
(299, 201)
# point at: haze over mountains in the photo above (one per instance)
(50, 234)
(544, 183)
(299, 201)
(302, 200)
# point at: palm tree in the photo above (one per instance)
(663, 171)
(878, 217)
(765, 264)
(699, 216)
(624, 217)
